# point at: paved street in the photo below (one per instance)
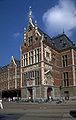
(45, 111)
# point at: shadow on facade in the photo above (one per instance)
(11, 93)
(73, 113)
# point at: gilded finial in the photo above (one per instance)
(24, 29)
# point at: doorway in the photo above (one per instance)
(49, 89)
(30, 94)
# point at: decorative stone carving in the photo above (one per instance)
(48, 78)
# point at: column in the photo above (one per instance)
(34, 93)
(73, 68)
(42, 61)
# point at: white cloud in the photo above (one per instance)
(61, 16)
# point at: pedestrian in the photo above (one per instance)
(1, 105)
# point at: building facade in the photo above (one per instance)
(48, 65)
(10, 79)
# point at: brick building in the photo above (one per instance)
(48, 65)
(10, 79)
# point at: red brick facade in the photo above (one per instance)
(55, 65)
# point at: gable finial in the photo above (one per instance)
(30, 15)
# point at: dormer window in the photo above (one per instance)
(61, 40)
(64, 44)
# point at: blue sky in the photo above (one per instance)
(52, 17)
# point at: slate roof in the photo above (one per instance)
(3, 68)
(62, 42)
(47, 38)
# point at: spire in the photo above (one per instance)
(30, 15)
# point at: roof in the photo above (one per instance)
(4, 68)
(62, 42)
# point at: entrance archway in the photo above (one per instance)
(49, 89)
(30, 92)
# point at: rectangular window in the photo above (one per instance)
(37, 55)
(32, 60)
(37, 82)
(32, 75)
(64, 59)
(30, 40)
(26, 75)
(29, 75)
(25, 59)
(65, 79)
(29, 58)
